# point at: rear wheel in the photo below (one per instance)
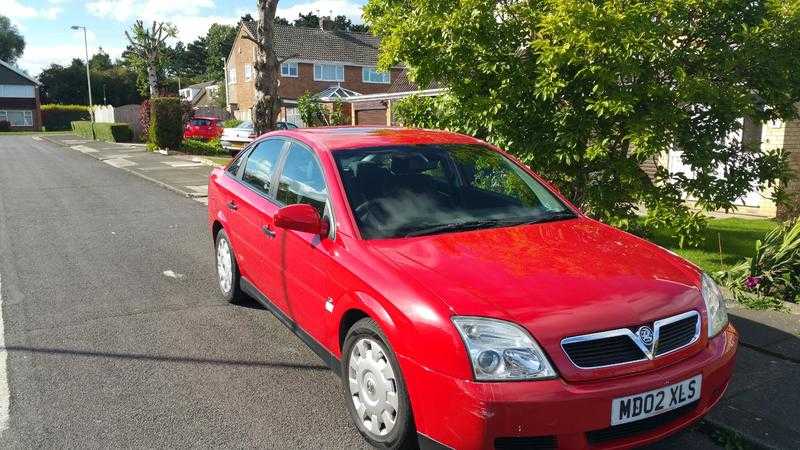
(227, 270)
(374, 389)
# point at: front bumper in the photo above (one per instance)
(470, 415)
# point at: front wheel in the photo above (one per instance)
(374, 389)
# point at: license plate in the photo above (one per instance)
(652, 403)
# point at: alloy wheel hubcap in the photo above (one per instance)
(373, 387)
(224, 265)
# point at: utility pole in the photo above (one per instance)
(88, 77)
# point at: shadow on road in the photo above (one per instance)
(160, 358)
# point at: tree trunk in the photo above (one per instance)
(152, 79)
(265, 111)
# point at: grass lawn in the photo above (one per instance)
(221, 160)
(738, 237)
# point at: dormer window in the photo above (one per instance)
(328, 72)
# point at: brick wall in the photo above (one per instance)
(791, 143)
(242, 92)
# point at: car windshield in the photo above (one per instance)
(414, 190)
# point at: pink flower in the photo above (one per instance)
(752, 282)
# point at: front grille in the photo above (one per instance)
(625, 345)
(631, 429)
(676, 334)
(526, 443)
(604, 352)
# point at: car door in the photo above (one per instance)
(305, 257)
(255, 209)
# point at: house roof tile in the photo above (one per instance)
(315, 44)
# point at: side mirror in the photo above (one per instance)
(301, 217)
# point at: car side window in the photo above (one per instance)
(302, 180)
(233, 168)
(260, 165)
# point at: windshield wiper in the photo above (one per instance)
(549, 217)
(454, 226)
(486, 223)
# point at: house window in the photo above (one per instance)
(232, 75)
(17, 91)
(777, 123)
(328, 72)
(17, 118)
(248, 72)
(289, 69)
(370, 75)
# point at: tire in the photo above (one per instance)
(366, 385)
(225, 261)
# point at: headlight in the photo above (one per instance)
(500, 350)
(715, 306)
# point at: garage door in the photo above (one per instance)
(371, 117)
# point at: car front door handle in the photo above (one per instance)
(268, 231)
(233, 206)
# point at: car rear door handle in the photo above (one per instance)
(268, 231)
(233, 206)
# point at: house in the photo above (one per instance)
(757, 202)
(328, 63)
(19, 99)
(201, 94)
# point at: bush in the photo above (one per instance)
(60, 117)
(166, 122)
(111, 132)
(197, 147)
(5, 125)
(231, 123)
(144, 120)
(772, 272)
(314, 113)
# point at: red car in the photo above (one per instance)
(464, 302)
(203, 128)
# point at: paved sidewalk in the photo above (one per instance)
(762, 401)
(185, 175)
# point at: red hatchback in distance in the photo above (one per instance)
(463, 301)
(203, 128)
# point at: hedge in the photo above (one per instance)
(166, 123)
(60, 117)
(5, 125)
(111, 132)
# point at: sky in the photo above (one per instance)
(45, 24)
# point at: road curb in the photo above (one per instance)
(708, 425)
(164, 185)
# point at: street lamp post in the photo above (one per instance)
(88, 76)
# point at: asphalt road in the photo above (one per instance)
(104, 350)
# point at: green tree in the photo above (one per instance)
(100, 60)
(585, 92)
(146, 49)
(12, 44)
(67, 84)
(219, 43)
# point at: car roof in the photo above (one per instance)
(206, 118)
(337, 138)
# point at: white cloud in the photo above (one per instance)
(323, 8)
(38, 57)
(161, 10)
(18, 11)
